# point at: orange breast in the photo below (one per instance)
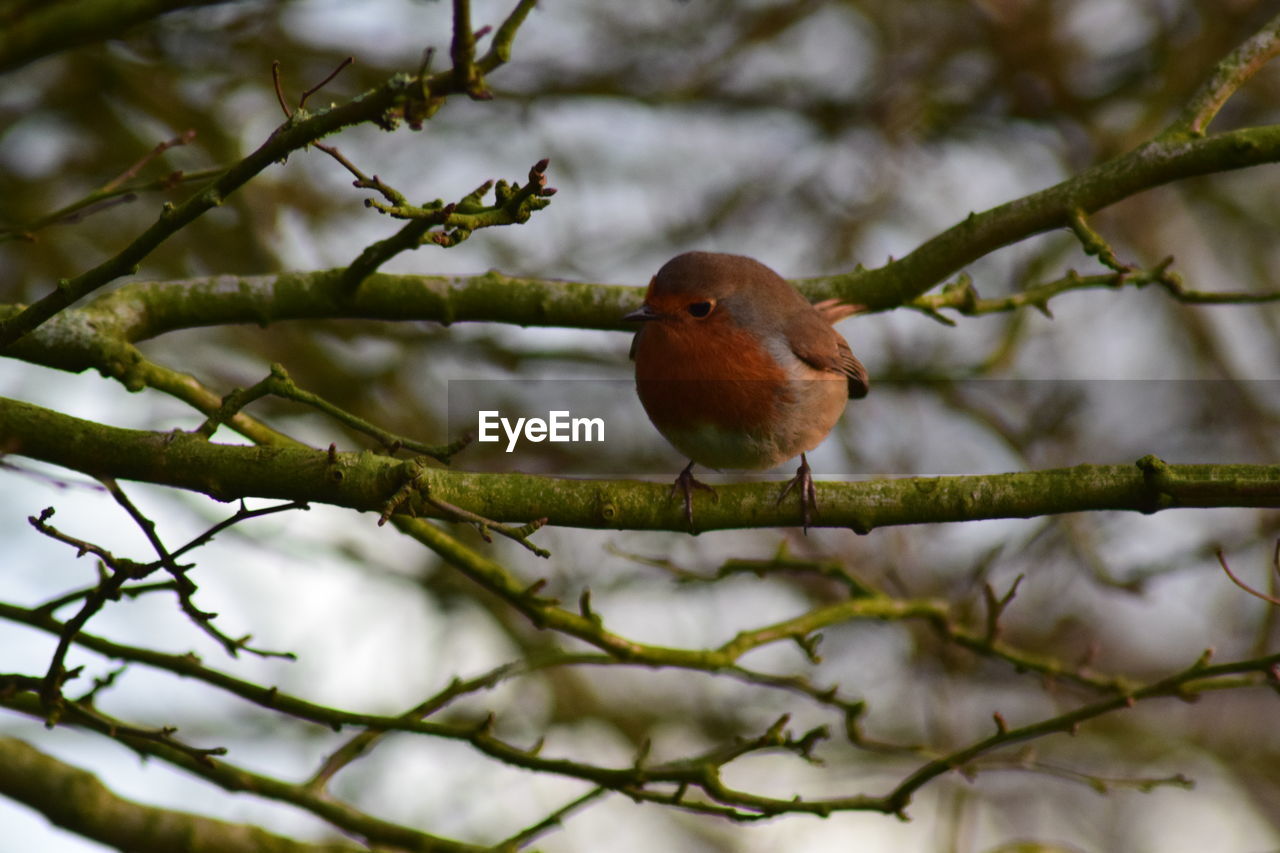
(710, 373)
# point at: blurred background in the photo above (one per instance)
(813, 135)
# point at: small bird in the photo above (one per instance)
(738, 370)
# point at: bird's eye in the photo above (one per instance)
(701, 309)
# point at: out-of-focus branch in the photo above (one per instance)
(1275, 562)
(289, 137)
(119, 190)
(1161, 161)
(77, 801)
(399, 97)
(41, 29)
(1169, 157)
(162, 744)
(1228, 76)
(698, 782)
(699, 772)
(1180, 151)
(962, 296)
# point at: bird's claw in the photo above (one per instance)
(685, 484)
(803, 482)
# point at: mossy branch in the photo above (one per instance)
(1161, 161)
(400, 96)
(143, 310)
(46, 28)
(77, 801)
(1228, 76)
(696, 772)
(367, 481)
(162, 744)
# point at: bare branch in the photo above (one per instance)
(1228, 76)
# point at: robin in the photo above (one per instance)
(738, 370)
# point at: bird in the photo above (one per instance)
(737, 370)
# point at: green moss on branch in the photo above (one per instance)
(366, 481)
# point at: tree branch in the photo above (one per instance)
(77, 801)
(366, 481)
(1161, 161)
(47, 28)
(234, 778)
(139, 311)
(1228, 76)
(383, 105)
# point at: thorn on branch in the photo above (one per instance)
(532, 590)
(485, 727)
(776, 734)
(805, 745)
(997, 606)
(642, 755)
(101, 683)
(584, 607)
(808, 644)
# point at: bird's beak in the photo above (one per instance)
(644, 312)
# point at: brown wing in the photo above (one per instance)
(814, 342)
(859, 381)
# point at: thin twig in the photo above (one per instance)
(120, 571)
(526, 836)
(417, 485)
(242, 514)
(184, 588)
(130, 173)
(1270, 599)
(302, 102)
(275, 81)
(961, 295)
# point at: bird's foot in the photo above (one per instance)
(686, 483)
(803, 483)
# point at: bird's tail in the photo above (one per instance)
(833, 310)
